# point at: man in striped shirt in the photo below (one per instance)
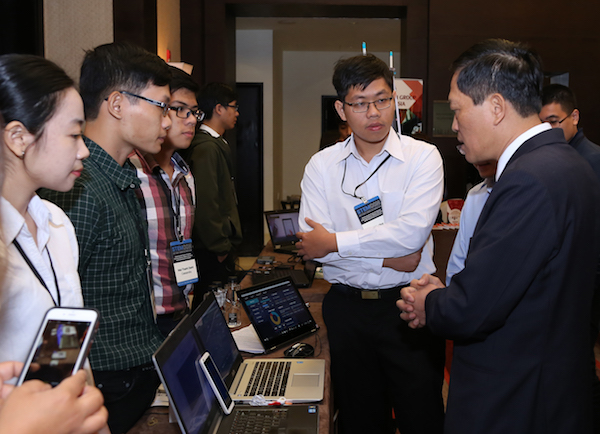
(167, 196)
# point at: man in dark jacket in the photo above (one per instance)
(559, 109)
(217, 230)
(519, 311)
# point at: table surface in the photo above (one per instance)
(155, 420)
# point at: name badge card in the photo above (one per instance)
(370, 213)
(184, 262)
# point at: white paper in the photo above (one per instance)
(247, 340)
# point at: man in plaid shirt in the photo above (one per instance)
(167, 196)
(126, 97)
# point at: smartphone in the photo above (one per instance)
(61, 345)
(219, 387)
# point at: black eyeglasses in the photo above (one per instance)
(163, 105)
(184, 112)
(363, 106)
(555, 122)
(235, 107)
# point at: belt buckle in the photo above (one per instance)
(369, 294)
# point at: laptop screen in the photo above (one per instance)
(277, 311)
(216, 337)
(189, 391)
(283, 226)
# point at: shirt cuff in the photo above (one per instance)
(347, 243)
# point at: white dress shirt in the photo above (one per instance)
(409, 184)
(469, 216)
(24, 301)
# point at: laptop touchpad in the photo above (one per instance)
(305, 380)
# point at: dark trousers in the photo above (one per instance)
(211, 269)
(127, 394)
(379, 363)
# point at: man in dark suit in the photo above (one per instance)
(519, 311)
(559, 109)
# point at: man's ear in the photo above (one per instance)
(339, 107)
(575, 116)
(17, 138)
(114, 104)
(498, 107)
(218, 110)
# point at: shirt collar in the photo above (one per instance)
(13, 222)
(179, 164)
(516, 144)
(392, 146)
(124, 176)
(209, 130)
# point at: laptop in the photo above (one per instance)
(298, 380)
(302, 278)
(283, 225)
(195, 405)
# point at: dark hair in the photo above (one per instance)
(182, 80)
(561, 95)
(118, 66)
(359, 72)
(212, 95)
(500, 66)
(31, 88)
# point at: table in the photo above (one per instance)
(156, 420)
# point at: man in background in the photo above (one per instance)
(217, 229)
(559, 109)
(126, 95)
(168, 195)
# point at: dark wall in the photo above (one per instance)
(22, 27)
(135, 22)
(565, 34)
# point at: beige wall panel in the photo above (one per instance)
(73, 26)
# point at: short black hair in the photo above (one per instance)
(214, 94)
(182, 80)
(500, 66)
(115, 67)
(31, 88)
(559, 94)
(359, 72)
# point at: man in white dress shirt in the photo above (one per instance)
(368, 205)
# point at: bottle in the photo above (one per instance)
(220, 293)
(233, 305)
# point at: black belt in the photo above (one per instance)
(368, 294)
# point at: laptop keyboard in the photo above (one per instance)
(268, 379)
(258, 421)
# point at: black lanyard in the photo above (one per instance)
(174, 197)
(362, 183)
(35, 272)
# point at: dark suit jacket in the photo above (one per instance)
(519, 312)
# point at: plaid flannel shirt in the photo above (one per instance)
(112, 237)
(159, 198)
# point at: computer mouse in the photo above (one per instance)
(299, 350)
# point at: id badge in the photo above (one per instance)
(184, 263)
(370, 214)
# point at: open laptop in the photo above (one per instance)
(298, 380)
(195, 405)
(283, 225)
(302, 278)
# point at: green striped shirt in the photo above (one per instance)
(112, 236)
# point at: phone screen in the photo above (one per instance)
(57, 351)
(220, 386)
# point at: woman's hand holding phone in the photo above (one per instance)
(72, 407)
